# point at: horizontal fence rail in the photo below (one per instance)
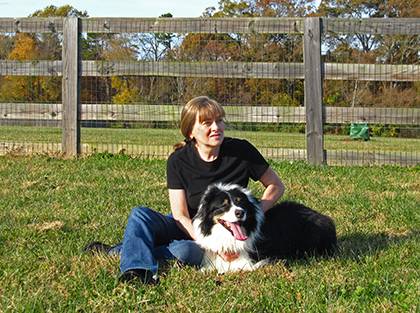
(158, 25)
(313, 71)
(262, 70)
(170, 113)
(388, 26)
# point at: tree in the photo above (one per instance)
(123, 88)
(370, 8)
(269, 8)
(16, 88)
(156, 47)
(247, 48)
(25, 47)
(371, 48)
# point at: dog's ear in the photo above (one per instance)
(209, 195)
(203, 217)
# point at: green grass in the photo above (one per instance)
(50, 208)
(167, 137)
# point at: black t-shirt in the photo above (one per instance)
(238, 161)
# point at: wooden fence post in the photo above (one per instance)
(71, 88)
(313, 91)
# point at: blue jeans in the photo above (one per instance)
(151, 236)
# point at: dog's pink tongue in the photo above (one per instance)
(237, 231)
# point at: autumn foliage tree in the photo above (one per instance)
(247, 48)
(16, 88)
(223, 48)
(32, 47)
(371, 49)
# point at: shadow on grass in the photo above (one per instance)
(356, 245)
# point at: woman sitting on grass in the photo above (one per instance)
(203, 158)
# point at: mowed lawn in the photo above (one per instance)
(50, 208)
(167, 137)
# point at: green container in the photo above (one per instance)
(359, 131)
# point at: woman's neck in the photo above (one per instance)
(207, 154)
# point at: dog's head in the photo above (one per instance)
(228, 218)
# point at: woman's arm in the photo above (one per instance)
(274, 189)
(179, 208)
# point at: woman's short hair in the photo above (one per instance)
(205, 108)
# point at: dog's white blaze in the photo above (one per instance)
(221, 240)
(230, 215)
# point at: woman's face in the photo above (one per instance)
(209, 132)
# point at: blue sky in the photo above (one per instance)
(112, 8)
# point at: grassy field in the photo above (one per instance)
(50, 208)
(167, 137)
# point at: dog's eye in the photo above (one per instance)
(238, 199)
(220, 207)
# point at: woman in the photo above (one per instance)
(203, 158)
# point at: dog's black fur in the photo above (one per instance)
(292, 230)
(288, 230)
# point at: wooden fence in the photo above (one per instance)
(71, 112)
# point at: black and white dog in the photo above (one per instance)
(230, 221)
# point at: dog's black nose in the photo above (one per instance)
(239, 213)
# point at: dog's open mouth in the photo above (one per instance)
(235, 229)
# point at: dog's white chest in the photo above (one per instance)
(213, 261)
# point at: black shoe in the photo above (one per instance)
(97, 247)
(137, 274)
